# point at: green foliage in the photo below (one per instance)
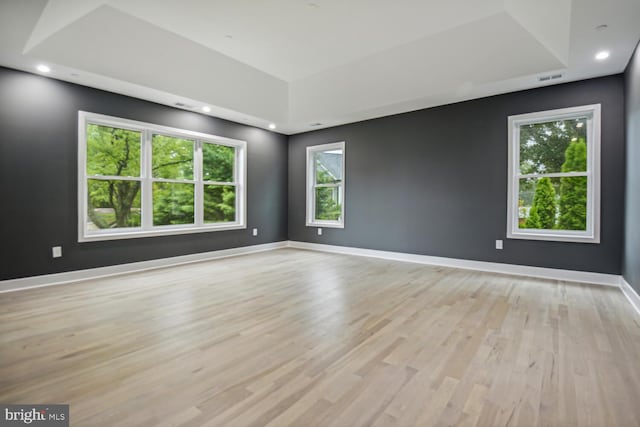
(533, 220)
(115, 203)
(113, 152)
(219, 203)
(328, 205)
(543, 145)
(551, 147)
(573, 190)
(328, 170)
(544, 205)
(172, 158)
(217, 162)
(173, 203)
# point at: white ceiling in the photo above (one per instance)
(297, 63)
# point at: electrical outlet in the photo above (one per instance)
(56, 251)
(498, 244)
(319, 231)
(255, 231)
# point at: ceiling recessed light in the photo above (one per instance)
(206, 109)
(272, 126)
(43, 68)
(602, 55)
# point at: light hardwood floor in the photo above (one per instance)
(301, 338)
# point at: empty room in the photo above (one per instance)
(320, 213)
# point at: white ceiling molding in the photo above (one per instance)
(297, 64)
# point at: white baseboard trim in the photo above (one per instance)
(630, 293)
(517, 270)
(492, 267)
(114, 270)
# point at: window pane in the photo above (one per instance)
(553, 203)
(113, 204)
(328, 166)
(112, 151)
(172, 203)
(219, 203)
(573, 203)
(551, 147)
(217, 162)
(328, 203)
(172, 157)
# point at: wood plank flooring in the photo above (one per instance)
(300, 338)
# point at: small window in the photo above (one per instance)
(554, 175)
(139, 179)
(325, 185)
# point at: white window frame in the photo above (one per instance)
(311, 186)
(592, 233)
(147, 229)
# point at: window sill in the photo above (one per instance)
(169, 231)
(325, 224)
(556, 237)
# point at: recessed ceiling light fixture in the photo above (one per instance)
(206, 109)
(43, 68)
(602, 55)
(272, 126)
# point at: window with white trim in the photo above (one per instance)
(138, 179)
(554, 175)
(325, 185)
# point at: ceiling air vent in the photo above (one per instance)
(315, 124)
(183, 105)
(549, 77)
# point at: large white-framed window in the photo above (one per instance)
(325, 185)
(554, 175)
(139, 179)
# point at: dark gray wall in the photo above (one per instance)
(631, 261)
(38, 178)
(434, 181)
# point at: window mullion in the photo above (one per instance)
(198, 175)
(231, 184)
(113, 178)
(552, 175)
(147, 188)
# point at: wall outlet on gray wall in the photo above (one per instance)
(499, 244)
(56, 251)
(319, 231)
(255, 231)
